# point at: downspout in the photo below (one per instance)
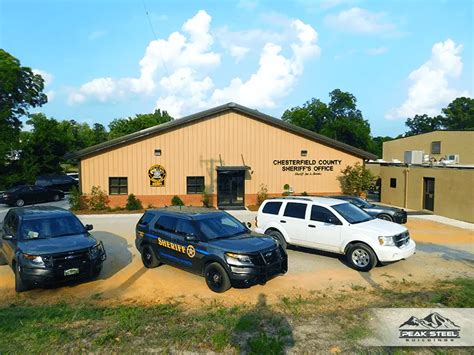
(407, 170)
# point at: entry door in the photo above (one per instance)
(429, 193)
(230, 188)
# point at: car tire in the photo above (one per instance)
(149, 258)
(56, 197)
(20, 285)
(3, 260)
(217, 278)
(385, 217)
(19, 203)
(361, 257)
(278, 237)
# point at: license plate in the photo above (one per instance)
(70, 272)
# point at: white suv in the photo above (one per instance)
(336, 226)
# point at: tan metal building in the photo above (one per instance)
(229, 151)
(443, 183)
(438, 145)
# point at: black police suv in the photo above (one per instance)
(46, 245)
(211, 243)
(391, 214)
(26, 194)
(61, 182)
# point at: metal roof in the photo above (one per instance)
(213, 112)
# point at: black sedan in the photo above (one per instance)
(392, 214)
(27, 194)
(45, 245)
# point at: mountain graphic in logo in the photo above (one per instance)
(432, 321)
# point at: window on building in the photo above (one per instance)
(195, 184)
(393, 183)
(158, 152)
(272, 208)
(436, 147)
(118, 186)
(304, 153)
(295, 210)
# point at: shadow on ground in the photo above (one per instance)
(447, 253)
(118, 253)
(263, 331)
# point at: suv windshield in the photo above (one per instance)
(50, 227)
(351, 213)
(220, 226)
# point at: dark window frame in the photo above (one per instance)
(393, 183)
(195, 187)
(314, 215)
(295, 204)
(436, 147)
(269, 205)
(118, 186)
(159, 226)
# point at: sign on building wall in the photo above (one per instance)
(157, 175)
(307, 166)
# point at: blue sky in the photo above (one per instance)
(101, 59)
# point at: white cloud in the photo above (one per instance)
(358, 20)
(238, 52)
(51, 95)
(377, 51)
(178, 69)
(47, 77)
(97, 34)
(276, 74)
(247, 4)
(177, 51)
(430, 87)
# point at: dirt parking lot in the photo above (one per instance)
(443, 252)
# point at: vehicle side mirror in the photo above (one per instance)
(7, 237)
(89, 227)
(190, 238)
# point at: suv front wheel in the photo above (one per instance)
(20, 285)
(216, 278)
(361, 257)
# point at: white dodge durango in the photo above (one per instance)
(335, 226)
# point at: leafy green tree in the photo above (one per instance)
(377, 145)
(20, 90)
(99, 133)
(459, 114)
(123, 126)
(340, 119)
(312, 115)
(356, 180)
(43, 147)
(423, 124)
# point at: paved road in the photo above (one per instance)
(443, 252)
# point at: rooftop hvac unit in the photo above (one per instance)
(413, 157)
(453, 158)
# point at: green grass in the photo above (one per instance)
(260, 328)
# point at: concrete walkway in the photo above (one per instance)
(445, 220)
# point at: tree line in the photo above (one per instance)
(40, 149)
(340, 119)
